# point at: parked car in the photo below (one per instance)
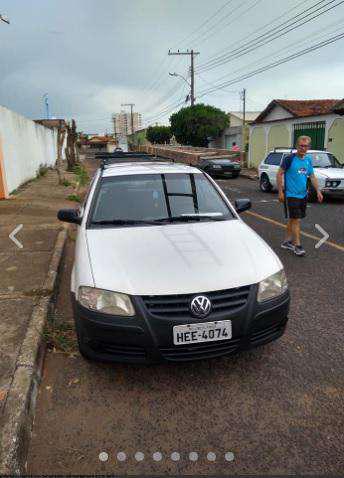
(166, 270)
(327, 169)
(220, 167)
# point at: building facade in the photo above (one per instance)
(122, 123)
(283, 121)
(235, 133)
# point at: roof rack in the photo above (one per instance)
(116, 158)
(283, 147)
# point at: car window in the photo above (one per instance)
(324, 160)
(149, 197)
(274, 159)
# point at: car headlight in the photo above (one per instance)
(105, 301)
(272, 286)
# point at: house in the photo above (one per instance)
(98, 143)
(233, 134)
(283, 121)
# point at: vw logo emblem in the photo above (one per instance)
(200, 306)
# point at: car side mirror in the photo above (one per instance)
(69, 215)
(242, 205)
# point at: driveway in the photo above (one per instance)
(276, 410)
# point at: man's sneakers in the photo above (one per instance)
(288, 245)
(297, 250)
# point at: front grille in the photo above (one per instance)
(200, 351)
(122, 351)
(171, 306)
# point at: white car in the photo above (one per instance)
(327, 169)
(165, 270)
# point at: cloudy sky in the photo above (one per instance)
(90, 56)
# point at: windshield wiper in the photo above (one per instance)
(190, 217)
(121, 222)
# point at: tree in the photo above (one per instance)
(70, 150)
(159, 134)
(195, 125)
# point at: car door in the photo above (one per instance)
(273, 161)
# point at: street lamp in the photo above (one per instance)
(4, 18)
(180, 76)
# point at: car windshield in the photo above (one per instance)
(157, 199)
(324, 160)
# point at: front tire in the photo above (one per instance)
(264, 184)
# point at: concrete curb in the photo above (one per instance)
(20, 404)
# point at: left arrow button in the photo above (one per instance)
(14, 239)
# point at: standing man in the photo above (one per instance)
(295, 169)
(235, 147)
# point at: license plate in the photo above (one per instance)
(203, 332)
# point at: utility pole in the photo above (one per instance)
(243, 97)
(131, 115)
(192, 54)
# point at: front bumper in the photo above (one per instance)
(333, 191)
(146, 338)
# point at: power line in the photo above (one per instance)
(183, 41)
(271, 22)
(216, 26)
(315, 47)
(287, 47)
(271, 35)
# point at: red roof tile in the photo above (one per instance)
(300, 108)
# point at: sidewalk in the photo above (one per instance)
(250, 173)
(26, 284)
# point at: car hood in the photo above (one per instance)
(330, 173)
(179, 258)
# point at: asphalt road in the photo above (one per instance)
(278, 409)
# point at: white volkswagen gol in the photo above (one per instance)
(165, 270)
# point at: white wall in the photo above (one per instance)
(289, 123)
(277, 113)
(26, 145)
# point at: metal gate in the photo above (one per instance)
(315, 130)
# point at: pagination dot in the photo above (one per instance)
(103, 456)
(139, 456)
(193, 456)
(211, 456)
(157, 456)
(121, 456)
(229, 456)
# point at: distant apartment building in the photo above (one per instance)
(122, 123)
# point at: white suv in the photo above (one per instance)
(327, 169)
(165, 270)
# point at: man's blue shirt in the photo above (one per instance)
(295, 177)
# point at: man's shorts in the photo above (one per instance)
(295, 208)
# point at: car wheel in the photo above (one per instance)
(235, 175)
(264, 183)
(311, 193)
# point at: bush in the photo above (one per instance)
(159, 134)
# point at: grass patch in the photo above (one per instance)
(82, 177)
(59, 334)
(42, 171)
(74, 197)
(66, 183)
